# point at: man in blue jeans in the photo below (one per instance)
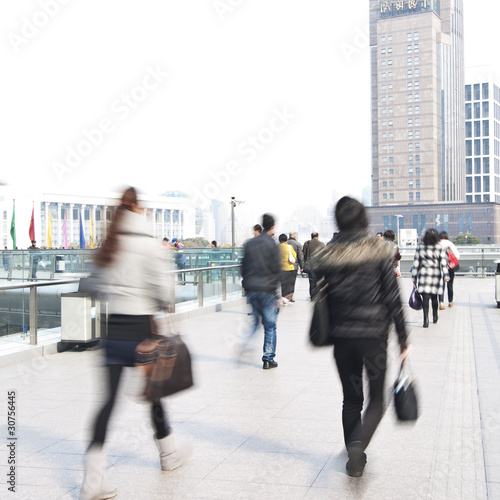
(260, 270)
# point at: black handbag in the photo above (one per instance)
(415, 300)
(405, 395)
(320, 329)
(167, 363)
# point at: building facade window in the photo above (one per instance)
(468, 111)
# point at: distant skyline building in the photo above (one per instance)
(417, 77)
(482, 142)
(419, 160)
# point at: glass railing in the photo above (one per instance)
(475, 260)
(32, 309)
(52, 264)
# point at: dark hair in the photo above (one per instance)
(431, 237)
(267, 222)
(107, 252)
(282, 238)
(443, 235)
(214, 243)
(314, 235)
(350, 214)
(389, 235)
(258, 228)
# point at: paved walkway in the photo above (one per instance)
(271, 434)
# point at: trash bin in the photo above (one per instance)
(60, 264)
(497, 283)
(82, 318)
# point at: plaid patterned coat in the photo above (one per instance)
(430, 269)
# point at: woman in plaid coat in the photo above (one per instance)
(430, 271)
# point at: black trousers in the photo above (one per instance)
(158, 415)
(449, 286)
(313, 282)
(351, 356)
(426, 298)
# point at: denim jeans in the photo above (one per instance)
(264, 307)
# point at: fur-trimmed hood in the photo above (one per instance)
(352, 249)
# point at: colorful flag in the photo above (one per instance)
(13, 225)
(65, 233)
(32, 225)
(82, 234)
(91, 232)
(49, 230)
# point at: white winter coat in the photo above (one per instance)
(136, 282)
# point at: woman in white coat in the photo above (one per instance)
(132, 272)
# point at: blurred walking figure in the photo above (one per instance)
(310, 248)
(299, 262)
(448, 246)
(389, 236)
(260, 270)
(363, 300)
(288, 272)
(132, 271)
(430, 271)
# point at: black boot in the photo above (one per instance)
(426, 321)
(357, 459)
(434, 316)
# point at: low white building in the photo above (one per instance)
(170, 215)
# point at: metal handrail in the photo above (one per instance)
(33, 302)
(33, 297)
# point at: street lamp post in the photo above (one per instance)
(398, 217)
(234, 202)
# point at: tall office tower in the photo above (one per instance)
(482, 142)
(418, 127)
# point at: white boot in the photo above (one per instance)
(94, 485)
(172, 455)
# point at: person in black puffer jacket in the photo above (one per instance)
(363, 299)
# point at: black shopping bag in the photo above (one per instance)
(405, 395)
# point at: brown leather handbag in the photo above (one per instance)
(167, 365)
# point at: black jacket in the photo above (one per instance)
(261, 265)
(362, 294)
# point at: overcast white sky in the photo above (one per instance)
(264, 100)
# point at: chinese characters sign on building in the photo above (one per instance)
(390, 8)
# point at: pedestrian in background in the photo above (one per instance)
(313, 246)
(288, 272)
(257, 230)
(448, 246)
(180, 258)
(165, 244)
(260, 270)
(363, 300)
(35, 259)
(299, 262)
(390, 237)
(134, 280)
(430, 271)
